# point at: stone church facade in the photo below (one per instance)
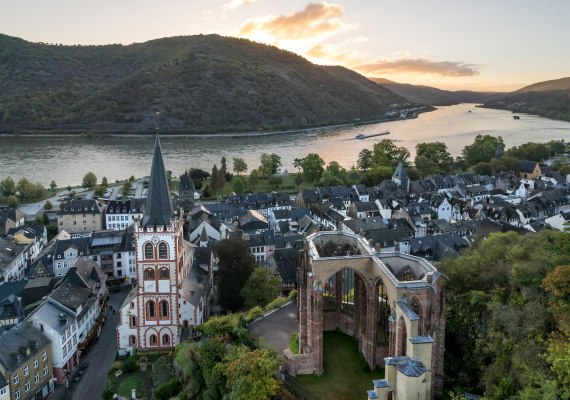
(392, 303)
(151, 313)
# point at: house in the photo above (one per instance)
(14, 259)
(67, 251)
(25, 364)
(81, 216)
(120, 214)
(204, 228)
(284, 263)
(114, 252)
(529, 169)
(252, 221)
(10, 218)
(364, 209)
(560, 222)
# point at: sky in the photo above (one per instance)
(485, 45)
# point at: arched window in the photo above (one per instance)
(163, 273)
(132, 340)
(152, 340)
(150, 311)
(148, 250)
(165, 340)
(163, 250)
(149, 274)
(164, 308)
(133, 321)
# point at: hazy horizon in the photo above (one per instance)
(483, 46)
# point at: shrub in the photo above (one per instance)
(167, 390)
(108, 393)
(130, 366)
(278, 302)
(292, 295)
(253, 313)
(294, 342)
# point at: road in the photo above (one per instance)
(274, 330)
(100, 357)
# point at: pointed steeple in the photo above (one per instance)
(158, 206)
(204, 237)
(400, 172)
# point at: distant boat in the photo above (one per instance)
(361, 136)
(516, 117)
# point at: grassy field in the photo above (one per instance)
(345, 374)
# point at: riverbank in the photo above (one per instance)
(229, 135)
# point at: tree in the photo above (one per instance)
(52, 185)
(99, 190)
(364, 161)
(8, 186)
(312, 166)
(215, 179)
(89, 180)
(236, 263)
(253, 178)
(12, 201)
(238, 185)
(556, 147)
(261, 288)
(240, 166)
(427, 166)
(269, 164)
(337, 171)
(387, 154)
(437, 153)
(48, 206)
(483, 168)
(25, 190)
(298, 181)
(126, 188)
(251, 375)
(68, 188)
(297, 163)
(104, 182)
(378, 174)
(275, 180)
(483, 149)
(530, 151)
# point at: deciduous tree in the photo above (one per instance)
(269, 164)
(236, 263)
(387, 154)
(364, 161)
(483, 149)
(437, 153)
(89, 180)
(8, 186)
(313, 167)
(261, 288)
(240, 166)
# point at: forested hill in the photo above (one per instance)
(549, 99)
(198, 83)
(434, 96)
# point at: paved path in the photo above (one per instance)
(275, 330)
(100, 358)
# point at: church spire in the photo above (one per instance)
(158, 206)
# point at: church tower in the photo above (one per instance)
(159, 248)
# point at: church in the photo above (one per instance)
(170, 296)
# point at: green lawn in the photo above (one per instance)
(344, 374)
(128, 383)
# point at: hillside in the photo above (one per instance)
(198, 83)
(549, 99)
(433, 96)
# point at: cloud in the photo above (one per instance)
(237, 3)
(315, 20)
(418, 66)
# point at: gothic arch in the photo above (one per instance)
(163, 273)
(148, 251)
(150, 309)
(148, 274)
(164, 309)
(406, 274)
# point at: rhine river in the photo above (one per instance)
(67, 159)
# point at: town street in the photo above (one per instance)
(100, 357)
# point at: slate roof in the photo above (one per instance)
(81, 244)
(8, 253)
(133, 206)
(406, 365)
(15, 344)
(526, 166)
(71, 296)
(400, 172)
(158, 207)
(287, 261)
(195, 283)
(80, 206)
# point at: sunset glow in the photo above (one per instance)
(485, 45)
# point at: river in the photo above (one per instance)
(67, 159)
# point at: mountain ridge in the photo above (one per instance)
(201, 83)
